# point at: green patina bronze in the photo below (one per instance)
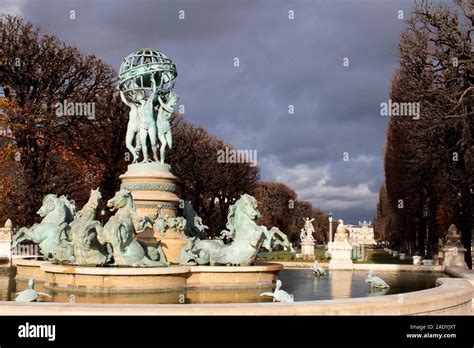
(51, 234)
(146, 82)
(30, 294)
(120, 233)
(245, 236)
(83, 234)
(194, 225)
(65, 236)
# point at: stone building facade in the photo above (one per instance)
(363, 233)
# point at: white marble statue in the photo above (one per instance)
(308, 230)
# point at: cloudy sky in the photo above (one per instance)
(282, 62)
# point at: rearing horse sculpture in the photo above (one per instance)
(120, 232)
(51, 233)
(83, 234)
(247, 238)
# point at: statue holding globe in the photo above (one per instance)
(164, 112)
(147, 121)
(132, 128)
(146, 81)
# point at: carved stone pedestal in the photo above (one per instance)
(154, 188)
(454, 256)
(341, 250)
(172, 243)
(417, 260)
(453, 249)
(329, 248)
(307, 249)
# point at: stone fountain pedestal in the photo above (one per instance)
(307, 249)
(99, 280)
(341, 256)
(417, 260)
(454, 256)
(341, 250)
(307, 240)
(154, 189)
(453, 249)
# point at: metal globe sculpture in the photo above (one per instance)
(138, 67)
(146, 81)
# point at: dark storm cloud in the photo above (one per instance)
(282, 62)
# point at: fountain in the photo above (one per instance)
(147, 245)
(146, 81)
(155, 249)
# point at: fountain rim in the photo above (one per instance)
(452, 296)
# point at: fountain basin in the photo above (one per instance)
(451, 297)
(27, 268)
(259, 275)
(133, 279)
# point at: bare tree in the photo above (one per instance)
(429, 161)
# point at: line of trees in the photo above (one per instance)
(280, 207)
(429, 172)
(72, 154)
(64, 154)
